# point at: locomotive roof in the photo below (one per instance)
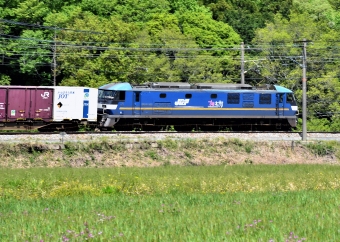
(124, 86)
(171, 86)
(282, 89)
(229, 86)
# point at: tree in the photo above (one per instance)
(284, 62)
(31, 11)
(64, 18)
(7, 7)
(245, 16)
(133, 10)
(4, 79)
(30, 54)
(182, 6)
(206, 31)
(335, 4)
(319, 10)
(97, 54)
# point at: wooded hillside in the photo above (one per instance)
(91, 43)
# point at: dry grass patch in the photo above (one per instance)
(186, 152)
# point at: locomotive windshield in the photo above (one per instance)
(291, 99)
(111, 95)
(107, 94)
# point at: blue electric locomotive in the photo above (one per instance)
(202, 106)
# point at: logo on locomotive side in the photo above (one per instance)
(46, 95)
(213, 104)
(182, 102)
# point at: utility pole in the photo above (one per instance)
(242, 63)
(54, 48)
(304, 91)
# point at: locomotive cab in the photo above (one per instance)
(286, 105)
(109, 97)
(292, 101)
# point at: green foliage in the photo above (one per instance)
(31, 11)
(4, 79)
(335, 123)
(141, 11)
(168, 143)
(248, 161)
(180, 6)
(152, 154)
(319, 10)
(247, 16)
(98, 42)
(335, 4)
(322, 148)
(316, 124)
(111, 190)
(323, 89)
(106, 65)
(70, 149)
(188, 154)
(206, 31)
(249, 146)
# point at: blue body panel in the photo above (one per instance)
(200, 103)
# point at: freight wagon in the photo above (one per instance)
(47, 108)
(202, 106)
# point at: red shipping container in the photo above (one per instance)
(33, 103)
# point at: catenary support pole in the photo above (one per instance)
(54, 48)
(304, 92)
(242, 63)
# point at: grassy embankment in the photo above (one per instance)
(120, 152)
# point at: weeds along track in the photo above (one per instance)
(61, 137)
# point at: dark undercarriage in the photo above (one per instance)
(187, 124)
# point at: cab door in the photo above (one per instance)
(136, 103)
(280, 104)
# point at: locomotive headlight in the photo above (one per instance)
(295, 108)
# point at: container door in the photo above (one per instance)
(41, 104)
(3, 104)
(18, 104)
(280, 104)
(137, 103)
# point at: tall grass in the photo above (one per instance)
(265, 216)
(223, 203)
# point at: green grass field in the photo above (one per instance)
(211, 203)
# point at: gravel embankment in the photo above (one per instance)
(57, 138)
